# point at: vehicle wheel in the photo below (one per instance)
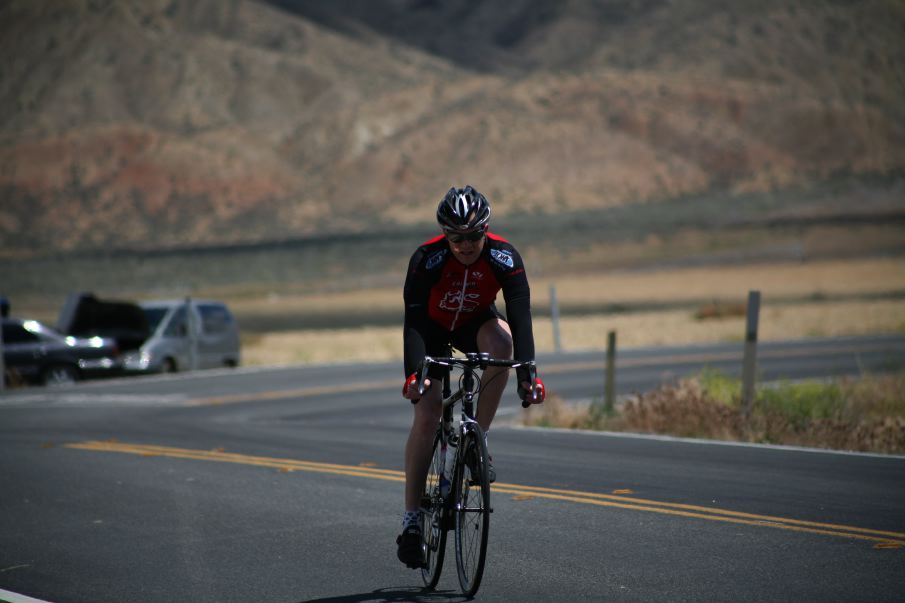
(472, 511)
(433, 515)
(168, 366)
(60, 374)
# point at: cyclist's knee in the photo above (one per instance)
(495, 339)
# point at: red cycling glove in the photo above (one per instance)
(539, 389)
(409, 381)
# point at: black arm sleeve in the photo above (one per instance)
(517, 295)
(415, 295)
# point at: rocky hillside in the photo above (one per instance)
(147, 123)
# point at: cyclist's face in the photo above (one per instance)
(467, 251)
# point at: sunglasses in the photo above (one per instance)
(458, 237)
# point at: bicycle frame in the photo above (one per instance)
(466, 392)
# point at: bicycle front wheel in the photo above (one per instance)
(472, 512)
(433, 514)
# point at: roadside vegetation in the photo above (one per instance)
(864, 414)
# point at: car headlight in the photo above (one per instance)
(97, 363)
(137, 360)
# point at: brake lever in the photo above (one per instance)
(532, 374)
(421, 372)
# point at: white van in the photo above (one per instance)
(186, 335)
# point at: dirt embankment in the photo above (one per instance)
(142, 124)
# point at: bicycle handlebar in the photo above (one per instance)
(473, 361)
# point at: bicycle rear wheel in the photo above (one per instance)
(433, 516)
(472, 512)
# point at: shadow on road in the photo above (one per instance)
(388, 595)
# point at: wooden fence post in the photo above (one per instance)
(554, 317)
(749, 367)
(610, 391)
(192, 333)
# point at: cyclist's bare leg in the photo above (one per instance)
(419, 444)
(495, 338)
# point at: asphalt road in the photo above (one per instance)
(285, 485)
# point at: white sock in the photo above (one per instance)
(411, 518)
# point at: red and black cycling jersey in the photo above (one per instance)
(451, 295)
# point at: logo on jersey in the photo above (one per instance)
(459, 301)
(503, 257)
(436, 259)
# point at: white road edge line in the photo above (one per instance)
(666, 438)
(9, 597)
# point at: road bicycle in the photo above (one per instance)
(457, 491)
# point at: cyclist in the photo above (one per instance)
(449, 294)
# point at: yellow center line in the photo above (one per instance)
(713, 514)
(884, 539)
(694, 508)
(242, 459)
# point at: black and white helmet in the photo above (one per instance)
(463, 209)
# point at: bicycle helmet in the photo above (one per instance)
(463, 209)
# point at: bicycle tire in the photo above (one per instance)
(433, 518)
(472, 510)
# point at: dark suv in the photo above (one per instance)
(35, 353)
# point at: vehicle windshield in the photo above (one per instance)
(154, 316)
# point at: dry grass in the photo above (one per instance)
(778, 320)
(675, 327)
(780, 280)
(866, 414)
(388, 298)
(369, 344)
(834, 277)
